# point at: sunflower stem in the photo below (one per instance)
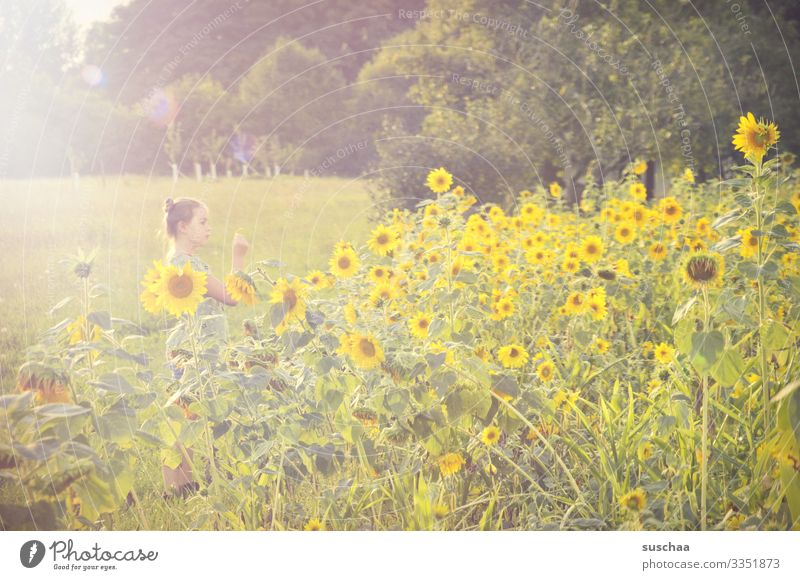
(761, 302)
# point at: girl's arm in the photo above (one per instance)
(216, 289)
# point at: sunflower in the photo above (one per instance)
(149, 296)
(490, 435)
(596, 305)
(291, 295)
(592, 249)
(365, 351)
(318, 279)
(314, 525)
(439, 180)
(749, 247)
(639, 215)
(688, 175)
(657, 251)
(450, 463)
(638, 191)
(344, 262)
(624, 234)
(640, 167)
(241, 288)
(601, 345)
(644, 451)
(350, 313)
(545, 371)
(703, 269)
(383, 293)
(420, 324)
(622, 268)
(753, 138)
(503, 308)
(383, 240)
(570, 265)
(82, 331)
(512, 356)
(671, 210)
(664, 353)
(576, 303)
(703, 227)
(634, 501)
(380, 274)
(180, 290)
(555, 190)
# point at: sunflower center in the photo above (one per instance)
(343, 262)
(382, 239)
(513, 353)
(181, 286)
(423, 323)
(366, 347)
(289, 299)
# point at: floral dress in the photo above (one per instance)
(213, 331)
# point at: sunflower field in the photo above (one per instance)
(623, 363)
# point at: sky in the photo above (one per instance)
(87, 12)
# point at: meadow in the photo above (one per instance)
(628, 362)
(46, 221)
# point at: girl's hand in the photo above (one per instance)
(240, 245)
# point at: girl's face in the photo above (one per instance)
(198, 230)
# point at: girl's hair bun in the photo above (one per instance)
(168, 205)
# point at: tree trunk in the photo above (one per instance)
(212, 168)
(244, 169)
(175, 172)
(198, 171)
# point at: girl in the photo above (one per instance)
(188, 229)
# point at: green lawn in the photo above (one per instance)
(291, 219)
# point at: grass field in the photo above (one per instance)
(42, 222)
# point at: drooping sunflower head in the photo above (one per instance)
(704, 269)
(181, 289)
(318, 279)
(439, 180)
(555, 190)
(241, 288)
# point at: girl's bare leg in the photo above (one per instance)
(180, 478)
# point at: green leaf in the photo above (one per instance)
(683, 309)
(727, 218)
(397, 401)
(114, 383)
(775, 335)
(706, 348)
(786, 208)
(729, 368)
(435, 360)
(62, 410)
(101, 319)
(725, 244)
(442, 379)
(505, 384)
